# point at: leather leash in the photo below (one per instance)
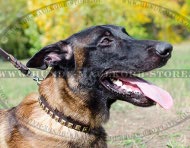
(55, 114)
(21, 67)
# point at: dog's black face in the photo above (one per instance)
(102, 59)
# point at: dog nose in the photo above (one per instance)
(164, 49)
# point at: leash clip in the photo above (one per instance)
(37, 79)
(21, 67)
(34, 77)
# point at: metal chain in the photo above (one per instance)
(34, 77)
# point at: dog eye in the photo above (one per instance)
(105, 41)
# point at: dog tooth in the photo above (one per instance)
(128, 93)
(137, 92)
(118, 83)
(129, 90)
(124, 87)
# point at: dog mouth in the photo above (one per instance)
(135, 90)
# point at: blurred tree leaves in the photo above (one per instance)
(10, 10)
(140, 21)
(15, 43)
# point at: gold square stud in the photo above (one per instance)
(56, 118)
(70, 125)
(78, 127)
(62, 122)
(85, 129)
(43, 106)
(51, 114)
(46, 110)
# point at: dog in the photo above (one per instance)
(90, 70)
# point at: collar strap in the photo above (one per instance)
(62, 119)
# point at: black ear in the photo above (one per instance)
(52, 55)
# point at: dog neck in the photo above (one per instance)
(61, 118)
(61, 97)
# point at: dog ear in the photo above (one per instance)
(52, 55)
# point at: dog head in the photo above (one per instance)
(100, 60)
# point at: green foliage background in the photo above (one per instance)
(140, 22)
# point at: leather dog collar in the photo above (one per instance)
(62, 119)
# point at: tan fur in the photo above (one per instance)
(79, 57)
(26, 125)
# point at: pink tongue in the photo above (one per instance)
(151, 91)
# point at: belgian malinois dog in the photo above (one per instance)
(90, 70)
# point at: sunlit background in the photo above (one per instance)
(27, 26)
